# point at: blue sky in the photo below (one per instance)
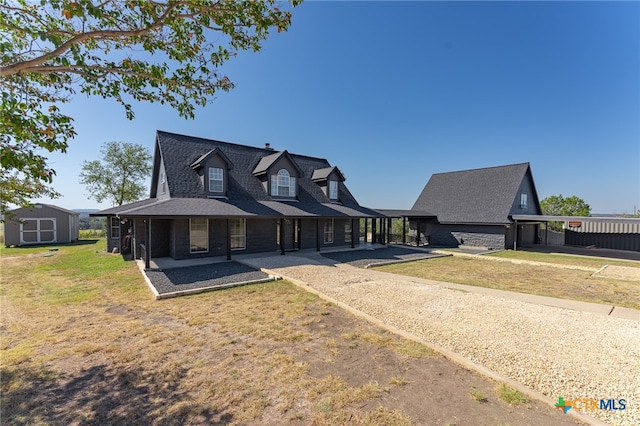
(392, 92)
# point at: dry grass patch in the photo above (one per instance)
(532, 279)
(510, 395)
(84, 342)
(563, 259)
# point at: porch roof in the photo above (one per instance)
(221, 207)
(412, 214)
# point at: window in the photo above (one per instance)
(283, 184)
(328, 231)
(347, 231)
(216, 182)
(333, 189)
(523, 201)
(199, 235)
(115, 227)
(238, 234)
(163, 183)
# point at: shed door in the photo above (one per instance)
(38, 231)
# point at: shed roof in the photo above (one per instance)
(51, 206)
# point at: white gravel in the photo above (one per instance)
(555, 351)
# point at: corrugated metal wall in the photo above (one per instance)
(605, 228)
(616, 241)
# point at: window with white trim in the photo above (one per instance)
(347, 231)
(216, 179)
(523, 201)
(283, 184)
(328, 231)
(115, 227)
(333, 189)
(198, 235)
(163, 183)
(238, 234)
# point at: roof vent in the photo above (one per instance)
(267, 145)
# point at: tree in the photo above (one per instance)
(50, 51)
(557, 205)
(119, 176)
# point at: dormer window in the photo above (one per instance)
(213, 168)
(283, 184)
(216, 179)
(333, 190)
(329, 179)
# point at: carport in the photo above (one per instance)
(630, 225)
(416, 216)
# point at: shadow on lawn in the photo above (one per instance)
(99, 395)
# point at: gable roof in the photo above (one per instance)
(482, 196)
(51, 206)
(266, 162)
(216, 151)
(246, 195)
(323, 174)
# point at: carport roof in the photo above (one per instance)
(549, 218)
(415, 214)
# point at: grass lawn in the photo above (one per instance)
(84, 342)
(563, 259)
(533, 279)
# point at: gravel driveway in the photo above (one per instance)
(366, 258)
(555, 351)
(203, 276)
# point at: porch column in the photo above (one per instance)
(298, 230)
(373, 230)
(353, 232)
(417, 232)
(147, 243)
(546, 233)
(317, 234)
(366, 222)
(404, 230)
(515, 237)
(282, 243)
(388, 230)
(228, 239)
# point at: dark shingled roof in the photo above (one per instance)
(266, 162)
(483, 196)
(323, 174)
(204, 157)
(246, 195)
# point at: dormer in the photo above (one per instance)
(279, 175)
(329, 180)
(213, 169)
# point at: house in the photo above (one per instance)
(211, 198)
(475, 207)
(41, 224)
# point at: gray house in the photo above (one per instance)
(211, 198)
(475, 207)
(41, 224)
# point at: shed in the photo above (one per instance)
(41, 224)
